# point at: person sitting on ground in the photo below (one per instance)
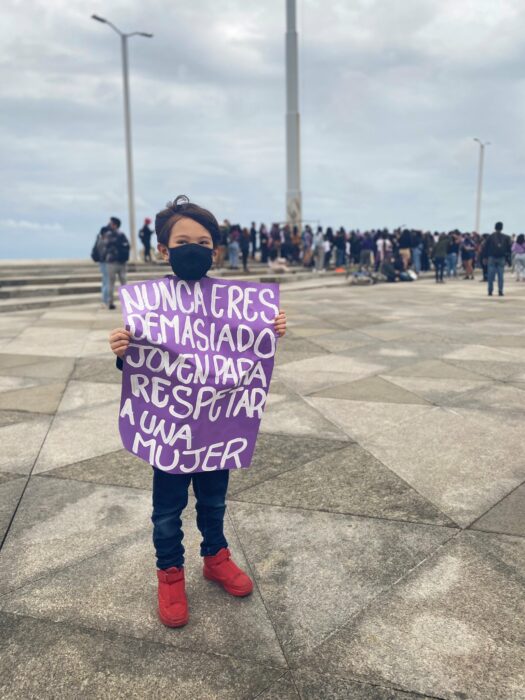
(388, 269)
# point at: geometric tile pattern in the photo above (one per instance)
(430, 632)
(382, 518)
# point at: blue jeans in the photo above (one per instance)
(105, 282)
(340, 257)
(416, 259)
(452, 261)
(170, 497)
(233, 254)
(496, 265)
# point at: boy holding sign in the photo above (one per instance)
(186, 379)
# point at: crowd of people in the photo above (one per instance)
(395, 255)
(398, 255)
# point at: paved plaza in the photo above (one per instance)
(383, 518)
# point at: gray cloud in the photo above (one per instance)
(391, 96)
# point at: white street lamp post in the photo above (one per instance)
(127, 125)
(480, 182)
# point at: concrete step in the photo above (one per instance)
(25, 297)
(49, 290)
(33, 276)
(34, 279)
(16, 267)
(46, 286)
(44, 302)
(66, 279)
(9, 271)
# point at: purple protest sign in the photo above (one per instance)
(197, 371)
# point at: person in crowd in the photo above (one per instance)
(405, 245)
(518, 252)
(117, 256)
(253, 240)
(367, 247)
(318, 250)
(428, 245)
(98, 255)
(275, 242)
(295, 245)
(264, 242)
(307, 245)
(355, 247)
(244, 243)
(417, 251)
(234, 247)
(452, 254)
(483, 257)
(384, 249)
(145, 235)
(498, 252)
(468, 255)
(439, 255)
(286, 245)
(222, 245)
(340, 248)
(327, 252)
(328, 247)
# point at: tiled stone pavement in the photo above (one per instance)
(383, 519)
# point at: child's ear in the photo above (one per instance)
(163, 251)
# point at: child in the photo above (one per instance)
(187, 237)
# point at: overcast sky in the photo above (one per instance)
(391, 94)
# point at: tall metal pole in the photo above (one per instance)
(127, 127)
(480, 183)
(293, 168)
(129, 154)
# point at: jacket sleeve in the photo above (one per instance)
(119, 363)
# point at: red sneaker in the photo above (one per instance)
(222, 569)
(173, 604)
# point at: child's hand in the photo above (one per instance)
(119, 341)
(280, 323)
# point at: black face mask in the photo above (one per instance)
(190, 261)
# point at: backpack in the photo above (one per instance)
(95, 256)
(122, 248)
(498, 246)
(98, 253)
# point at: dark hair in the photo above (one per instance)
(115, 220)
(182, 208)
(498, 226)
(520, 239)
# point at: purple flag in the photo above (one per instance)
(197, 371)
